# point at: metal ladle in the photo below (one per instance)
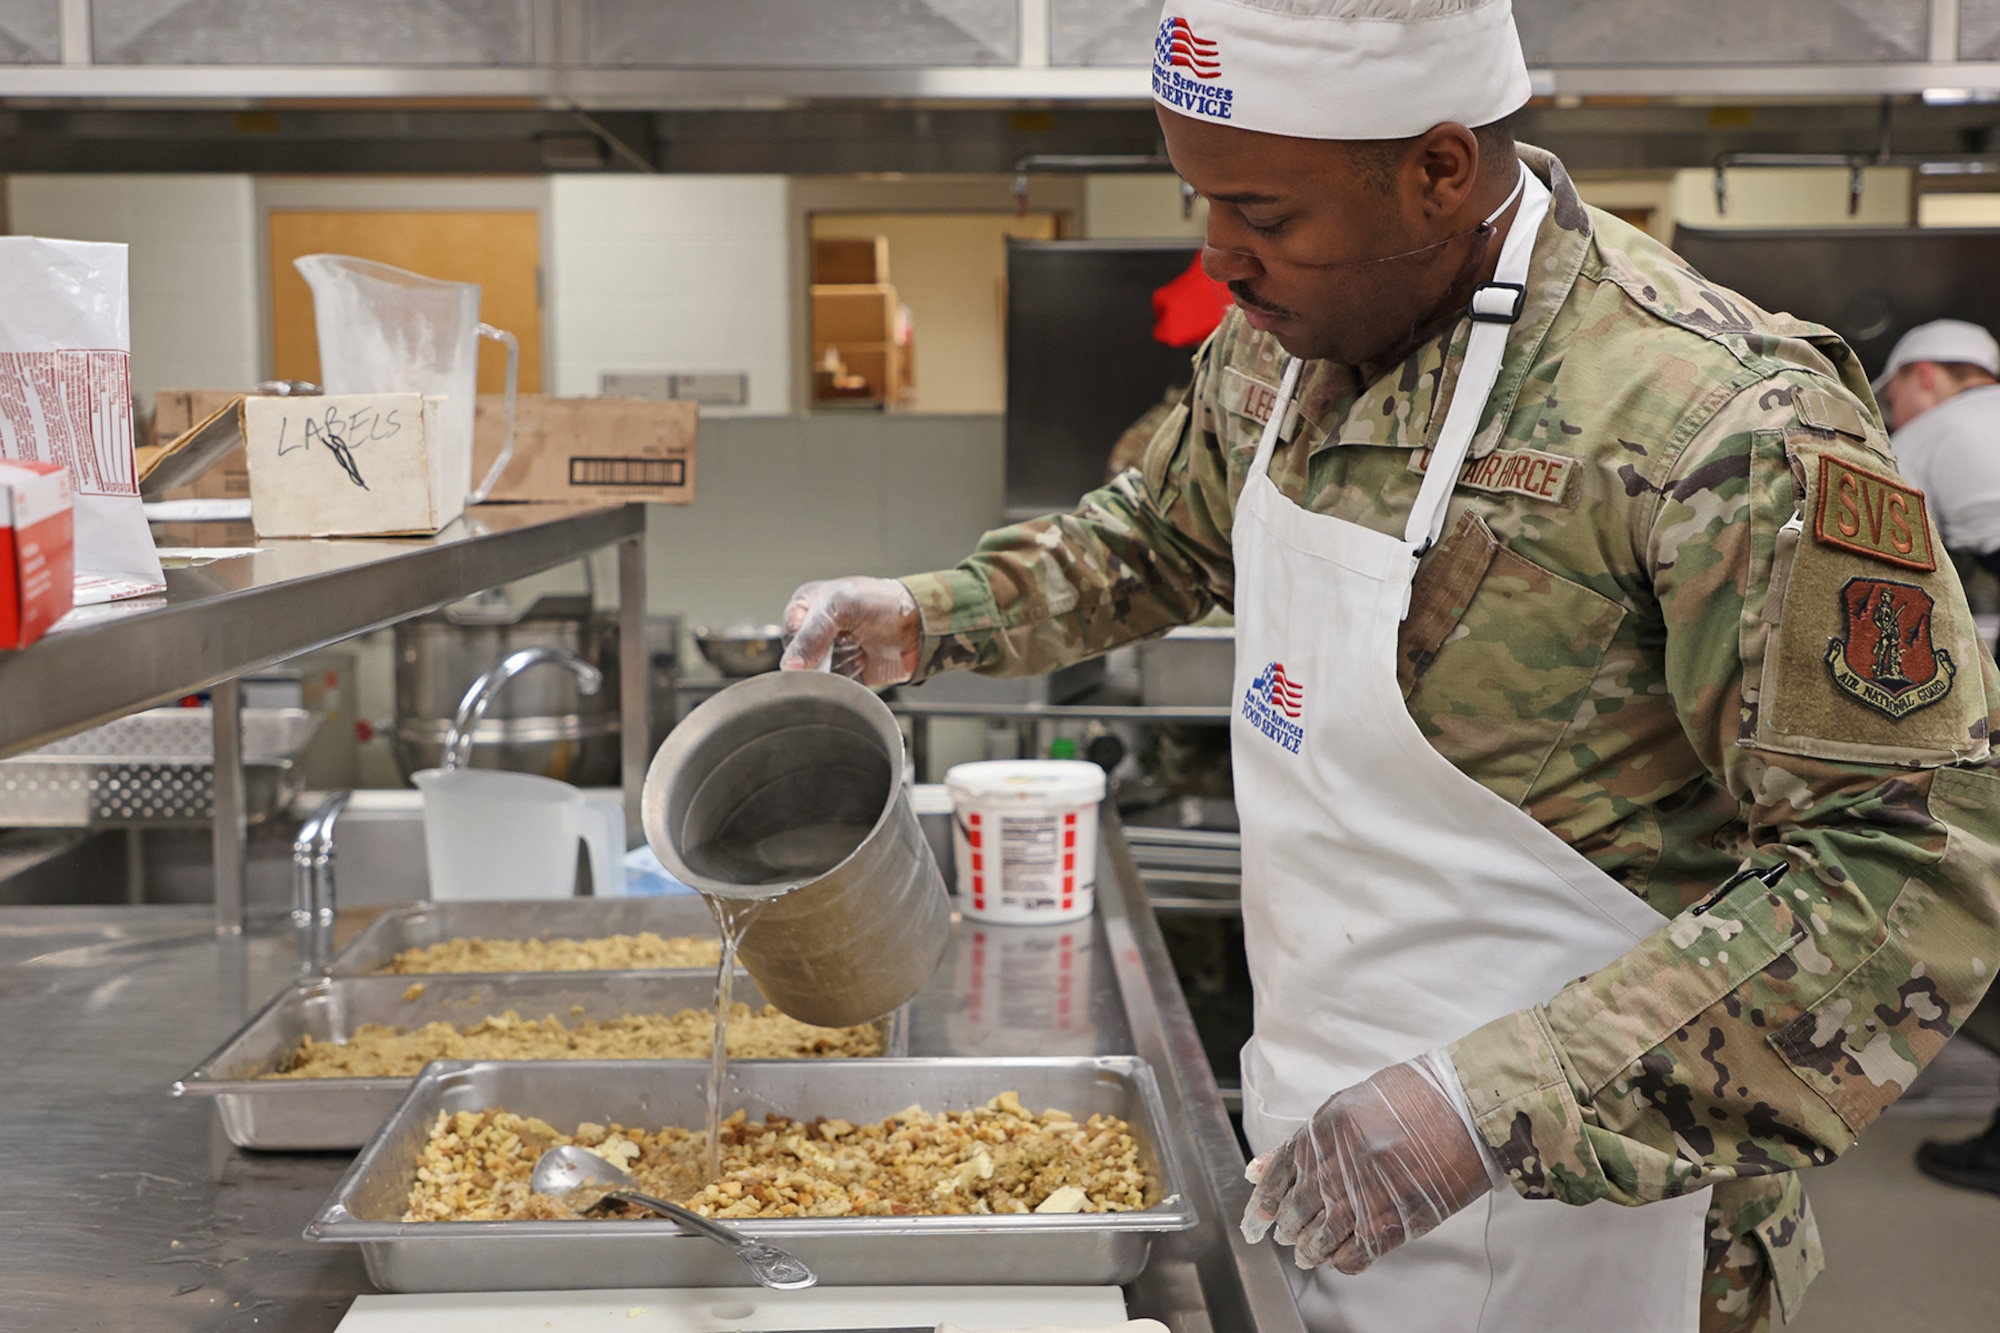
(560, 1172)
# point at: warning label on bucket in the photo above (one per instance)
(1026, 867)
(1031, 849)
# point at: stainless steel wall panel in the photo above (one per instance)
(1102, 32)
(1598, 33)
(30, 32)
(1979, 29)
(312, 32)
(802, 34)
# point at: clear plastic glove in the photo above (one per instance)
(1380, 1164)
(864, 628)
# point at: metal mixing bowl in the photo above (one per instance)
(742, 650)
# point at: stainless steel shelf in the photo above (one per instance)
(220, 620)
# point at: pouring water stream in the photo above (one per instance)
(733, 917)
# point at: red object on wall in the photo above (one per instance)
(1187, 309)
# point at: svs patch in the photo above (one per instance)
(1873, 515)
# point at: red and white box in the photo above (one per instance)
(37, 550)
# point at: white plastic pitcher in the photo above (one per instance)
(513, 835)
(387, 330)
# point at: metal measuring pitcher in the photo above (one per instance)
(788, 787)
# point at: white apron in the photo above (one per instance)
(1391, 904)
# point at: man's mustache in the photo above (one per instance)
(1244, 297)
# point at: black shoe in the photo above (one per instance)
(1973, 1163)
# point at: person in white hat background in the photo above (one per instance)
(1941, 394)
(1610, 741)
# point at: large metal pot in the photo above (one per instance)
(541, 723)
(788, 788)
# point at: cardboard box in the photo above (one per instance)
(842, 315)
(589, 451)
(861, 260)
(352, 465)
(177, 412)
(37, 550)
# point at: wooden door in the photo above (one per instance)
(501, 251)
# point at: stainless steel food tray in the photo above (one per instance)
(153, 768)
(421, 924)
(306, 1113)
(1057, 1249)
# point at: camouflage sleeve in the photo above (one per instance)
(1824, 666)
(1146, 552)
(1129, 450)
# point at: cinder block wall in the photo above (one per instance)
(783, 499)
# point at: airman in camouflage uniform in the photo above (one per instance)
(1688, 617)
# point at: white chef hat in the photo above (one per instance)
(1340, 69)
(1951, 341)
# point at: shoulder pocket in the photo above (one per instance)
(1872, 656)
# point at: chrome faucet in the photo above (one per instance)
(458, 740)
(312, 886)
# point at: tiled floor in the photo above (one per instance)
(1904, 1253)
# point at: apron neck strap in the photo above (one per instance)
(1496, 306)
(1267, 443)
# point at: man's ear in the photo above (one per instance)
(1447, 163)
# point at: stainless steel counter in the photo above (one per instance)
(129, 1210)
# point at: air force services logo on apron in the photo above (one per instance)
(1885, 657)
(1274, 704)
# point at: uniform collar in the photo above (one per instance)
(1401, 408)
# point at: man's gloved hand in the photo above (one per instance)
(1381, 1163)
(869, 628)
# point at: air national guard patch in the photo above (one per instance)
(1872, 515)
(1885, 657)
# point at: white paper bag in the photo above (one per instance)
(66, 397)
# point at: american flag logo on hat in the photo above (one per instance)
(1179, 46)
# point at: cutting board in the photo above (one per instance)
(730, 1309)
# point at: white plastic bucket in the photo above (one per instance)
(1025, 836)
